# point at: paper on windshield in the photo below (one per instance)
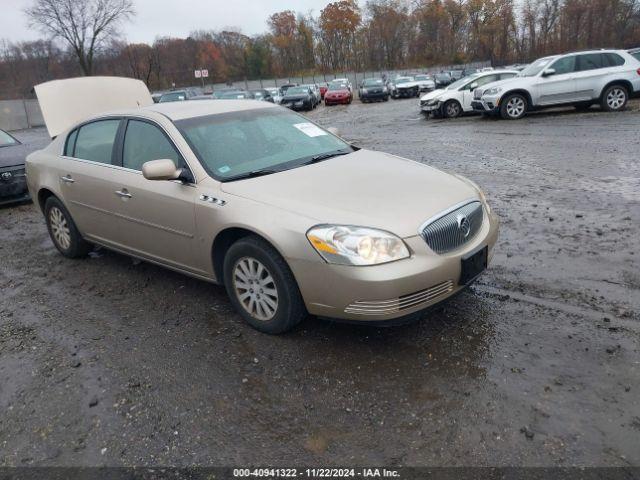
(310, 129)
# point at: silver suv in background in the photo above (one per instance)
(607, 77)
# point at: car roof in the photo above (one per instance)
(190, 109)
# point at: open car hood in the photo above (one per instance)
(64, 103)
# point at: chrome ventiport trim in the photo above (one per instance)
(210, 199)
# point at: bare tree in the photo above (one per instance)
(83, 24)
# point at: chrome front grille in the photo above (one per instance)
(453, 229)
(404, 302)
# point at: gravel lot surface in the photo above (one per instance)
(107, 361)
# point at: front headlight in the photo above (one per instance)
(364, 90)
(348, 245)
(492, 91)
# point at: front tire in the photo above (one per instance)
(261, 286)
(513, 107)
(614, 98)
(452, 109)
(63, 231)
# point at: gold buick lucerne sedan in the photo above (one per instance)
(289, 217)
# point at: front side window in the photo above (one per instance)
(589, 61)
(235, 144)
(564, 65)
(481, 81)
(95, 141)
(536, 67)
(144, 142)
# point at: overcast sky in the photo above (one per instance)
(172, 17)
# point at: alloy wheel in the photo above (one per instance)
(255, 288)
(453, 110)
(60, 228)
(616, 98)
(515, 107)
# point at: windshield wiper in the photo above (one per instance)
(252, 174)
(325, 156)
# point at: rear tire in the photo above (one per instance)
(63, 230)
(513, 107)
(261, 286)
(614, 98)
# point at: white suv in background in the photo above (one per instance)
(454, 100)
(607, 77)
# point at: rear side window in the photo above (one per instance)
(590, 61)
(71, 143)
(504, 76)
(144, 142)
(564, 65)
(636, 55)
(95, 141)
(613, 59)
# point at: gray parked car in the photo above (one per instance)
(581, 79)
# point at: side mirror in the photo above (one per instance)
(334, 130)
(160, 170)
(473, 86)
(548, 72)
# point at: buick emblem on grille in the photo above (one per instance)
(463, 225)
(6, 176)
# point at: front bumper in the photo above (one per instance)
(296, 105)
(407, 92)
(13, 185)
(336, 100)
(374, 95)
(430, 108)
(486, 105)
(389, 291)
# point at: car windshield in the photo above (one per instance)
(536, 67)
(401, 80)
(257, 93)
(6, 139)
(240, 144)
(463, 81)
(422, 77)
(372, 82)
(173, 97)
(297, 90)
(338, 86)
(636, 54)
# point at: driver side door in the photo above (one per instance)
(467, 94)
(156, 217)
(559, 87)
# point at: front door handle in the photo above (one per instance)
(67, 179)
(123, 193)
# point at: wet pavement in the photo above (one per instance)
(106, 361)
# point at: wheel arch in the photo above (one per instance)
(522, 92)
(623, 83)
(227, 237)
(43, 195)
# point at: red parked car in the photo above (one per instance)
(323, 89)
(338, 93)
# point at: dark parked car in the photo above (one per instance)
(299, 98)
(287, 86)
(372, 89)
(178, 96)
(13, 181)
(232, 95)
(442, 79)
(261, 94)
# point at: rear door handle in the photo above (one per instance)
(67, 179)
(123, 193)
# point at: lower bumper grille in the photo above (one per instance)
(404, 302)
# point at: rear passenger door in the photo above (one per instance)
(86, 173)
(592, 73)
(157, 218)
(559, 87)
